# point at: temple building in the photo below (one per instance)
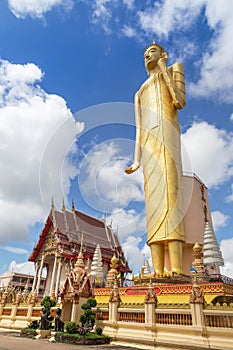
(59, 244)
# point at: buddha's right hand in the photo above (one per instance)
(132, 168)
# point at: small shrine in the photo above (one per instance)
(77, 287)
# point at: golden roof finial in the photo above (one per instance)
(73, 207)
(63, 204)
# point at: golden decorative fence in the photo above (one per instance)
(138, 317)
(183, 319)
(22, 312)
(102, 314)
(214, 320)
(36, 313)
(6, 312)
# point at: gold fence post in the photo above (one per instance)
(114, 303)
(197, 302)
(151, 302)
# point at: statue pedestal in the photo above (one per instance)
(52, 338)
(43, 333)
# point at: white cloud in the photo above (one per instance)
(135, 255)
(18, 82)
(29, 122)
(165, 18)
(226, 248)
(14, 250)
(215, 146)
(128, 222)
(102, 13)
(230, 197)
(216, 66)
(219, 219)
(102, 179)
(169, 16)
(25, 267)
(186, 50)
(35, 8)
(129, 4)
(129, 32)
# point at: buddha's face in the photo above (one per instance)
(151, 57)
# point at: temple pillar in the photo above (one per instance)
(40, 274)
(35, 279)
(1, 310)
(58, 277)
(53, 276)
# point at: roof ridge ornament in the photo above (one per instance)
(52, 203)
(73, 207)
(63, 204)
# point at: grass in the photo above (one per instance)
(29, 330)
(90, 335)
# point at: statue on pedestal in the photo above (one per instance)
(59, 324)
(45, 320)
(158, 146)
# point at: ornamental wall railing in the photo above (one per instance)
(181, 314)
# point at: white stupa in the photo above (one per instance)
(97, 264)
(146, 268)
(212, 253)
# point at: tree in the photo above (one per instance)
(87, 319)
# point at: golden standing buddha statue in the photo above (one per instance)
(158, 146)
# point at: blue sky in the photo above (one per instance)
(68, 73)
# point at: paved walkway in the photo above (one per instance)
(12, 341)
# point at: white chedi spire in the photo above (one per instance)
(97, 264)
(212, 254)
(146, 268)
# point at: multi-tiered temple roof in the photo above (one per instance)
(67, 228)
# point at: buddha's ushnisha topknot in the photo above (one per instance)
(155, 44)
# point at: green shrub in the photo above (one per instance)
(47, 303)
(68, 335)
(98, 330)
(71, 327)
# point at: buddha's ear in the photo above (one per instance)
(164, 55)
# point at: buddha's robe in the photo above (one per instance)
(161, 155)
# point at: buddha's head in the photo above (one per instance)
(152, 54)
